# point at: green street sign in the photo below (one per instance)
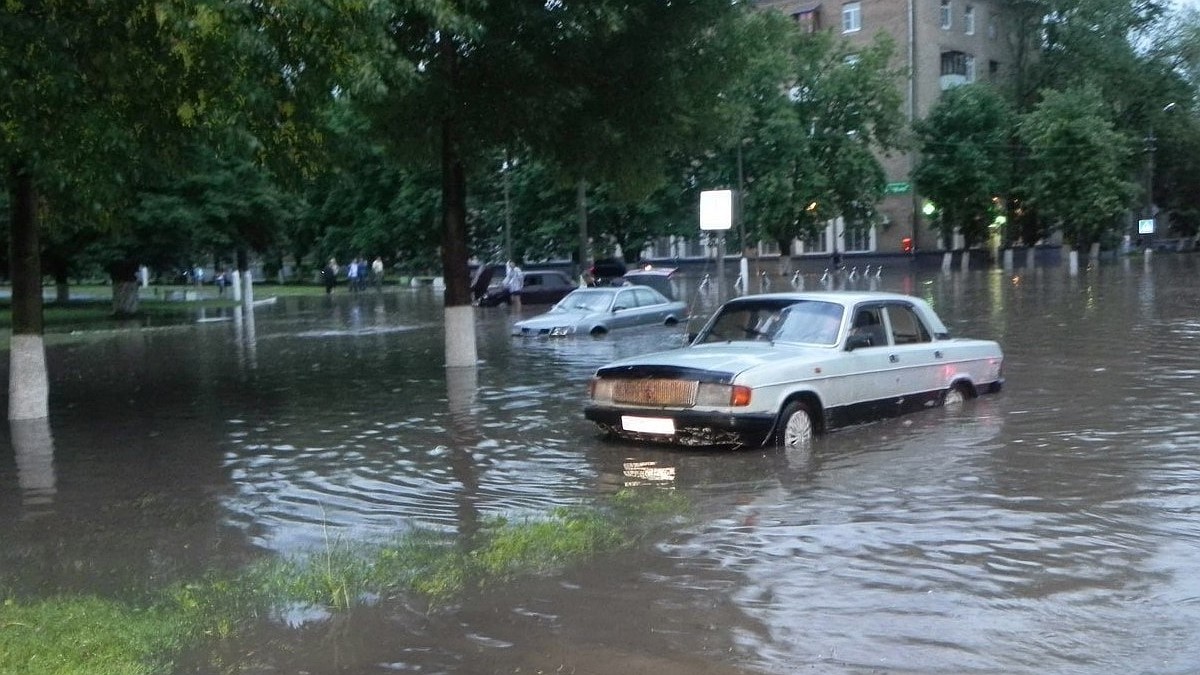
(897, 188)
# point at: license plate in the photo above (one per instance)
(648, 425)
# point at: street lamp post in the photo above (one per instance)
(1151, 144)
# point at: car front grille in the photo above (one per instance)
(655, 392)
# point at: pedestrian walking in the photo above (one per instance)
(377, 273)
(514, 282)
(329, 275)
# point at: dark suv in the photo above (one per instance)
(541, 287)
(605, 270)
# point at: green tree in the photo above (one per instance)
(600, 90)
(813, 149)
(965, 159)
(98, 95)
(1081, 162)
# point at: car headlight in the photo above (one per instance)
(722, 395)
(562, 330)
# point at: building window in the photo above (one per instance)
(957, 68)
(993, 70)
(859, 238)
(851, 17)
(816, 242)
(808, 21)
(947, 15)
(969, 20)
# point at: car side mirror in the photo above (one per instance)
(857, 342)
(618, 308)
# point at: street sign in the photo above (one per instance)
(1146, 226)
(716, 209)
(897, 188)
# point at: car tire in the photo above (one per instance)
(955, 396)
(597, 331)
(796, 426)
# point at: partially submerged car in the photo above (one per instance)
(595, 311)
(778, 368)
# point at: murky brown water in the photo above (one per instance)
(1051, 528)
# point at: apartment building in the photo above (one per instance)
(940, 44)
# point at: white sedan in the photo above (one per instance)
(778, 368)
(595, 311)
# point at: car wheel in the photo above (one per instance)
(671, 321)
(597, 331)
(796, 427)
(955, 396)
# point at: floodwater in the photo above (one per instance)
(1053, 528)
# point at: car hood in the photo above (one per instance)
(552, 319)
(719, 362)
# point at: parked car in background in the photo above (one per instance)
(542, 287)
(779, 368)
(596, 311)
(606, 270)
(661, 279)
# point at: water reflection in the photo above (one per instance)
(1050, 528)
(34, 448)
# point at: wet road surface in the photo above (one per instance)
(1051, 528)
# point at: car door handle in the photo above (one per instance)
(937, 354)
(893, 358)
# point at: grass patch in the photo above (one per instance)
(88, 636)
(68, 635)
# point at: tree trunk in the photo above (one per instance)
(125, 288)
(459, 313)
(28, 386)
(581, 215)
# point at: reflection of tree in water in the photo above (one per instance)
(34, 448)
(462, 391)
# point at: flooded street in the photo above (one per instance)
(1053, 528)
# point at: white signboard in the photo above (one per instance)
(716, 209)
(1146, 226)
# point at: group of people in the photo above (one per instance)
(358, 274)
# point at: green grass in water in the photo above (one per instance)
(68, 635)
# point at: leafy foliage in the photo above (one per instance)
(1080, 183)
(965, 159)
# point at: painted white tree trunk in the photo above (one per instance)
(1030, 257)
(947, 260)
(1073, 262)
(34, 448)
(1008, 259)
(965, 263)
(1094, 252)
(460, 337)
(28, 386)
(236, 288)
(247, 287)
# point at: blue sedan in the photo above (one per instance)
(595, 311)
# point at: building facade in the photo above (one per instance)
(940, 44)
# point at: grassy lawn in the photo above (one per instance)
(90, 308)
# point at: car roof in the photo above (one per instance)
(852, 298)
(840, 297)
(656, 271)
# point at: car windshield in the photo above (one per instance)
(585, 301)
(776, 320)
